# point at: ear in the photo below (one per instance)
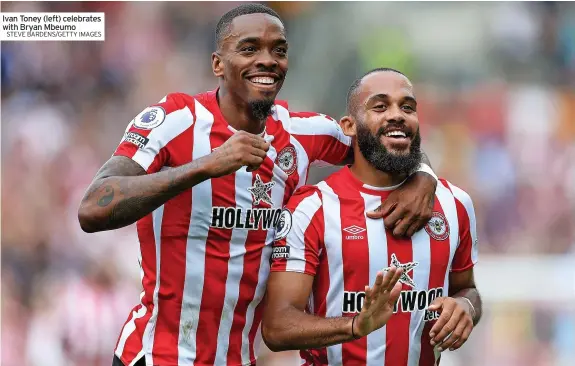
(348, 125)
(217, 65)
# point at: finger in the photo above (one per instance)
(415, 227)
(436, 304)
(394, 216)
(367, 300)
(441, 321)
(382, 210)
(402, 225)
(454, 336)
(395, 292)
(464, 336)
(253, 163)
(389, 275)
(377, 285)
(449, 326)
(258, 142)
(258, 152)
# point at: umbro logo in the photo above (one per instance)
(354, 230)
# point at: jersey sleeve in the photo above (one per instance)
(321, 137)
(466, 254)
(299, 233)
(149, 134)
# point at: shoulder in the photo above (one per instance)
(174, 107)
(306, 196)
(460, 196)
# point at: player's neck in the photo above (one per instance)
(238, 114)
(369, 175)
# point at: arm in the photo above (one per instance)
(286, 326)
(462, 286)
(122, 192)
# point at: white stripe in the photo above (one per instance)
(332, 240)
(243, 179)
(175, 123)
(447, 202)
(196, 244)
(149, 332)
(301, 219)
(277, 196)
(318, 125)
(421, 247)
(302, 161)
(377, 244)
(465, 199)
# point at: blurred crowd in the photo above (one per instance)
(496, 87)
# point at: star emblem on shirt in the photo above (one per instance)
(406, 268)
(260, 191)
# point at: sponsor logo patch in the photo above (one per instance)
(136, 139)
(150, 117)
(280, 252)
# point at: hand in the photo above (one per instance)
(379, 302)
(242, 149)
(408, 208)
(455, 321)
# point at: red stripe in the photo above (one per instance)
(175, 225)
(355, 257)
(397, 328)
(440, 252)
(145, 231)
(315, 229)
(216, 260)
(462, 259)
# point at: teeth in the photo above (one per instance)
(263, 80)
(395, 133)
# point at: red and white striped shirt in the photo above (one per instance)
(327, 235)
(205, 253)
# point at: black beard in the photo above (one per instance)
(261, 109)
(378, 156)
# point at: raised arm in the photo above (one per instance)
(122, 192)
(286, 325)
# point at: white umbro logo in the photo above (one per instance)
(354, 229)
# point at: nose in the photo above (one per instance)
(395, 115)
(266, 60)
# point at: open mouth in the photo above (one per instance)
(397, 139)
(266, 82)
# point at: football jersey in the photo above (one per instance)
(324, 232)
(205, 253)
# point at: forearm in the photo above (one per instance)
(117, 201)
(472, 295)
(294, 329)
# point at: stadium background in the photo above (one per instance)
(496, 86)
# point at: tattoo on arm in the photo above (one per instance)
(122, 193)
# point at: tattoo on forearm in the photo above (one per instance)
(106, 197)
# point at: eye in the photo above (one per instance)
(380, 107)
(248, 49)
(281, 51)
(408, 108)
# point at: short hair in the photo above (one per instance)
(357, 82)
(245, 9)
